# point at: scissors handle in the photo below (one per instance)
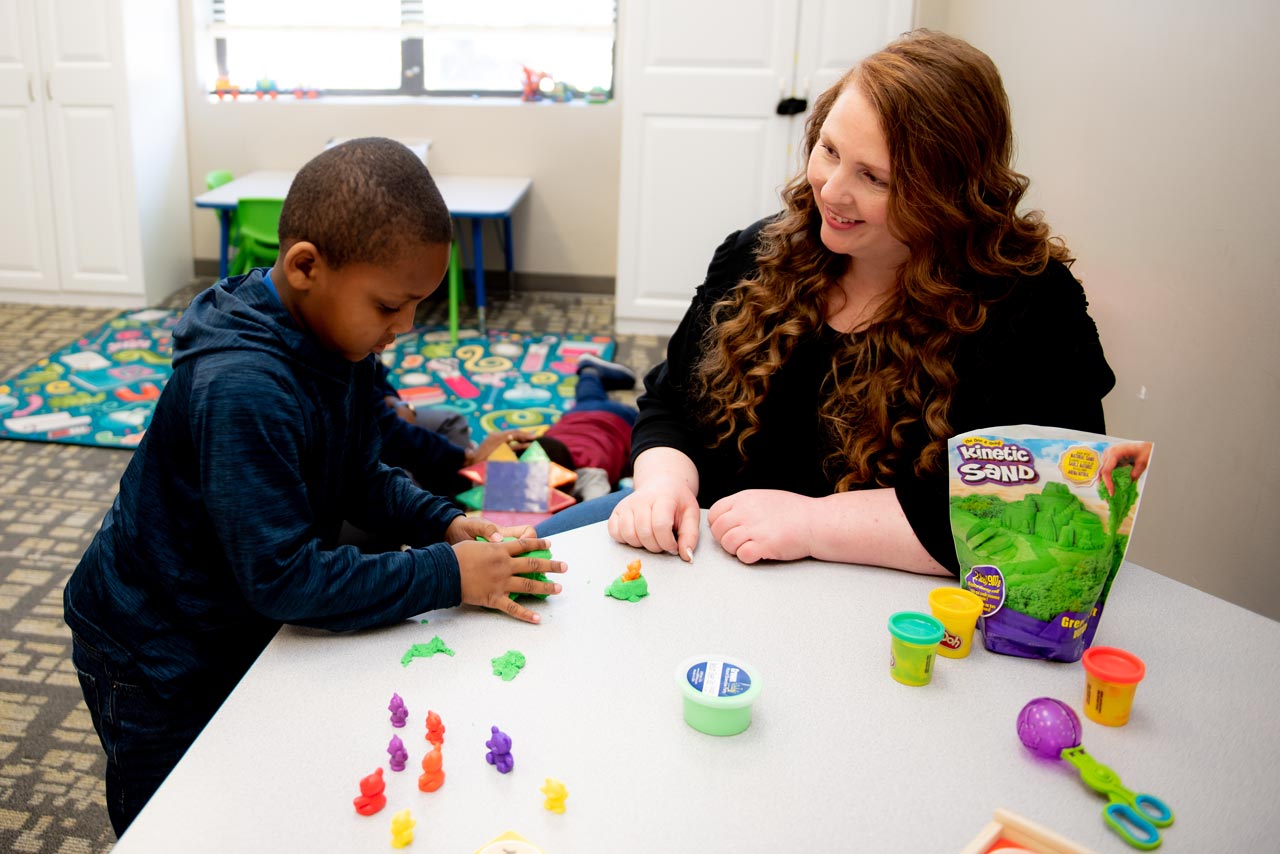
(1153, 809)
(1131, 826)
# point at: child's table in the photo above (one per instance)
(838, 757)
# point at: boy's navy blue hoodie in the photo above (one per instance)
(227, 520)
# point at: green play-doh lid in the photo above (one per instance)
(916, 628)
(719, 691)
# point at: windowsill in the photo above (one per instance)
(405, 100)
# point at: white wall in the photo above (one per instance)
(567, 225)
(1149, 129)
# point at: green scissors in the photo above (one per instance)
(1135, 817)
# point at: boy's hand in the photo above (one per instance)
(490, 571)
(517, 439)
(469, 528)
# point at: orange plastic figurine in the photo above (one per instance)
(435, 729)
(556, 794)
(633, 571)
(371, 798)
(432, 771)
(401, 829)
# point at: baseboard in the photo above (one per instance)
(495, 281)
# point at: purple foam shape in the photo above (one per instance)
(499, 754)
(398, 711)
(1048, 726)
(399, 756)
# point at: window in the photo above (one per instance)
(410, 47)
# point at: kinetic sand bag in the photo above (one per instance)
(1038, 534)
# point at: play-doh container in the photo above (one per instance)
(1111, 677)
(913, 643)
(718, 692)
(958, 611)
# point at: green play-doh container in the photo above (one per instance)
(913, 643)
(718, 692)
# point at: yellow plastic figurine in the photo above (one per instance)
(556, 794)
(402, 829)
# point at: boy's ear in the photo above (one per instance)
(302, 265)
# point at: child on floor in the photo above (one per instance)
(263, 441)
(430, 444)
(594, 438)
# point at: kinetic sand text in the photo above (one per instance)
(1003, 463)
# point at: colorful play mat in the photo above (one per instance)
(102, 389)
(504, 381)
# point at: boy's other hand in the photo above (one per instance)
(518, 440)
(491, 571)
(470, 527)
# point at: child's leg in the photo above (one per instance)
(143, 735)
(586, 513)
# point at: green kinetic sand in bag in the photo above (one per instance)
(1038, 534)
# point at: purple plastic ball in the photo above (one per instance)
(1048, 727)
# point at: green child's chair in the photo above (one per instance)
(258, 241)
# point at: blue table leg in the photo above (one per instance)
(224, 217)
(477, 248)
(508, 252)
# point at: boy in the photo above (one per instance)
(263, 441)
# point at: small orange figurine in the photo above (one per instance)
(371, 798)
(432, 771)
(633, 571)
(435, 729)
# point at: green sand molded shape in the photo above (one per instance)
(425, 650)
(630, 591)
(508, 666)
(1055, 554)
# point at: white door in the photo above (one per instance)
(703, 149)
(88, 127)
(28, 250)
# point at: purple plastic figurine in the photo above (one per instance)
(399, 756)
(499, 754)
(1048, 727)
(398, 711)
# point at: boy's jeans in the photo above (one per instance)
(143, 735)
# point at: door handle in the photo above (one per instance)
(792, 106)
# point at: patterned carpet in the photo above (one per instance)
(52, 499)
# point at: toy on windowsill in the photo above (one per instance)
(371, 798)
(532, 79)
(631, 586)
(223, 88)
(1050, 729)
(556, 794)
(266, 88)
(432, 776)
(499, 755)
(402, 829)
(399, 713)
(301, 92)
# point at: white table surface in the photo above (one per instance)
(838, 757)
(464, 195)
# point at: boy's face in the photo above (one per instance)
(361, 308)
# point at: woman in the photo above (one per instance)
(898, 299)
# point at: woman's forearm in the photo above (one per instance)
(868, 526)
(665, 464)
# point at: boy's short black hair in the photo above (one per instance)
(364, 201)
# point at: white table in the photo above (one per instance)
(838, 757)
(474, 197)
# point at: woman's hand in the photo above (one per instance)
(661, 516)
(764, 524)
